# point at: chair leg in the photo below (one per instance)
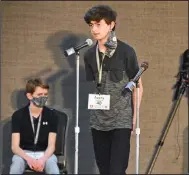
(63, 170)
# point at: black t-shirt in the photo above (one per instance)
(21, 123)
(124, 59)
(35, 122)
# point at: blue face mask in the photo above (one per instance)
(39, 101)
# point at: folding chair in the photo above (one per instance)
(63, 123)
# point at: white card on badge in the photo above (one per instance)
(99, 101)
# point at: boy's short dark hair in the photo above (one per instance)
(100, 12)
(32, 84)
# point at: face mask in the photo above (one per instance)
(39, 101)
(111, 44)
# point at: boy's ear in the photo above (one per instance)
(112, 25)
(29, 96)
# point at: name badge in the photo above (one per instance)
(35, 155)
(38, 155)
(99, 101)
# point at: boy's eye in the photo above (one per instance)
(90, 25)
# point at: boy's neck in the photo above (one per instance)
(35, 111)
(101, 47)
(101, 43)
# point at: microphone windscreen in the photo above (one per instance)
(89, 42)
(145, 65)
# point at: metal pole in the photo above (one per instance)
(77, 129)
(137, 126)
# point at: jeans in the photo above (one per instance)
(19, 165)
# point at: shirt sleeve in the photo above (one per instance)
(132, 64)
(88, 69)
(15, 123)
(53, 122)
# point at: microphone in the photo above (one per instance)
(130, 86)
(72, 50)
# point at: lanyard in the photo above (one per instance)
(98, 64)
(38, 127)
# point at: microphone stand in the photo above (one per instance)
(77, 129)
(137, 126)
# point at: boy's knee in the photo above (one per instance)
(51, 166)
(52, 159)
(18, 165)
(18, 159)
